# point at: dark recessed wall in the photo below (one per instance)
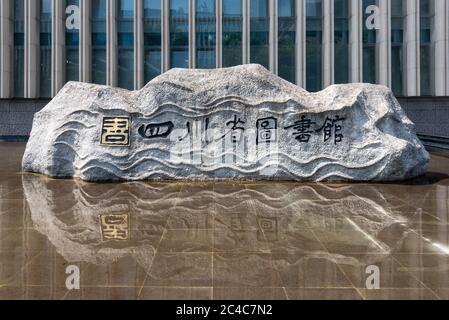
(16, 118)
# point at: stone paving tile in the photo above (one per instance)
(252, 240)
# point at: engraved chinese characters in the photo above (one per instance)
(225, 124)
(156, 130)
(333, 127)
(115, 131)
(303, 129)
(267, 130)
(235, 128)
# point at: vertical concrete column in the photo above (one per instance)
(447, 49)
(440, 29)
(301, 42)
(138, 45)
(31, 48)
(192, 34)
(328, 43)
(411, 47)
(111, 43)
(219, 34)
(165, 34)
(383, 57)
(6, 48)
(58, 60)
(355, 42)
(245, 32)
(273, 36)
(85, 65)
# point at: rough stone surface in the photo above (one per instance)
(236, 123)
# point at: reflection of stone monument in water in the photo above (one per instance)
(235, 123)
(250, 221)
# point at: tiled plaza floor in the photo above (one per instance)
(221, 240)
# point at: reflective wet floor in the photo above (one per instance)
(222, 240)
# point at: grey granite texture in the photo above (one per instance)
(235, 123)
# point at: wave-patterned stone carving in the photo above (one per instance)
(233, 123)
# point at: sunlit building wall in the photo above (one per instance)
(313, 43)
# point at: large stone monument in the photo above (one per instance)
(235, 123)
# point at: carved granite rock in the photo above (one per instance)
(235, 123)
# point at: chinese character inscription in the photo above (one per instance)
(115, 131)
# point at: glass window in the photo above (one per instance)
(72, 46)
(205, 33)
(179, 33)
(152, 39)
(45, 49)
(341, 39)
(18, 49)
(287, 40)
(314, 38)
(232, 33)
(426, 16)
(259, 32)
(314, 8)
(397, 48)
(99, 41)
(125, 41)
(369, 46)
